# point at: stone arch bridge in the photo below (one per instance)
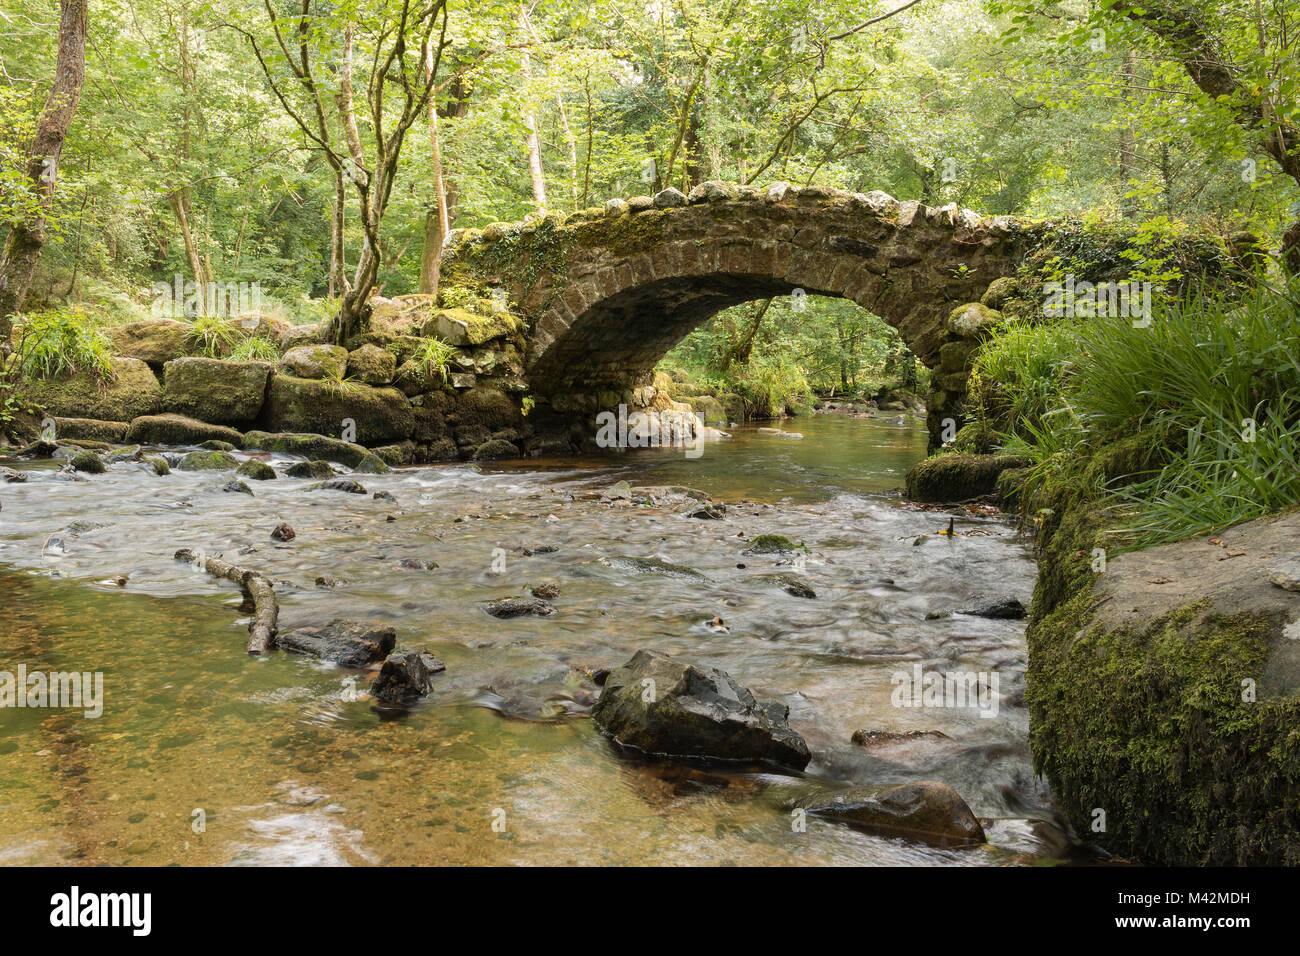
(605, 293)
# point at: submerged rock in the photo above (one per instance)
(339, 484)
(547, 591)
(404, 677)
(653, 566)
(284, 532)
(795, 587)
(772, 544)
(12, 476)
(342, 642)
(517, 607)
(666, 707)
(1008, 609)
(238, 487)
(925, 810)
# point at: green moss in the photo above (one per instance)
(769, 543)
(1148, 724)
(956, 476)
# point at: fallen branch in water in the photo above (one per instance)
(266, 610)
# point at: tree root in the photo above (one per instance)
(256, 587)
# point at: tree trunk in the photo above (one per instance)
(23, 246)
(1127, 143)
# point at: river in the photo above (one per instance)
(204, 755)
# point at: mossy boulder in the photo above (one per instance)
(709, 409)
(315, 448)
(379, 415)
(87, 461)
(131, 391)
(487, 407)
(91, 428)
(296, 335)
(256, 470)
(371, 465)
(170, 429)
(999, 291)
(158, 466)
(317, 470)
(208, 461)
(972, 321)
(215, 390)
(958, 477)
(495, 449)
(315, 361)
(1163, 690)
(156, 342)
(371, 365)
(463, 328)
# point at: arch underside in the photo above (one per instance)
(620, 339)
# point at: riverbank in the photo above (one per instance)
(1155, 466)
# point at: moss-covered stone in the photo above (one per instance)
(208, 461)
(371, 365)
(379, 415)
(318, 470)
(156, 465)
(371, 465)
(466, 329)
(156, 341)
(256, 470)
(955, 476)
(315, 361)
(131, 391)
(90, 428)
(313, 447)
(170, 429)
(87, 461)
(1163, 690)
(974, 320)
(215, 390)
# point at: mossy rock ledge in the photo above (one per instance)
(1164, 693)
(955, 476)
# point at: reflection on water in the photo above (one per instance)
(207, 756)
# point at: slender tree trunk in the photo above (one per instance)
(1127, 142)
(534, 152)
(26, 237)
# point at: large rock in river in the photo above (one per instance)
(380, 415)
(178, 430)
(315, 448)
(214, 390)
(133, 391)
(346, 643)
(669, 708)
(957, 477)
(924, 810)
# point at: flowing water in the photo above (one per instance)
(204, 755)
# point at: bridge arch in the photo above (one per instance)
(607, 292)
